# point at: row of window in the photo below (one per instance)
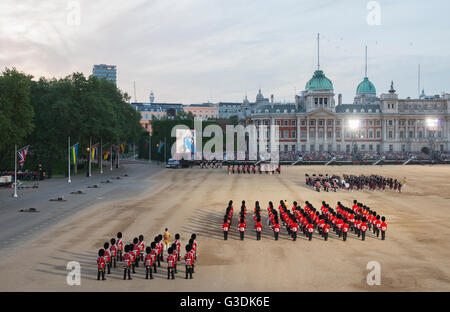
(321, 122)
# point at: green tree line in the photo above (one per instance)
(43, 113)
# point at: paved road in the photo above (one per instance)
(16, 227)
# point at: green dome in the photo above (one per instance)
(319, 82)
(366, 87)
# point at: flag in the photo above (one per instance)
(105, 155)
(22, 153)
(74, 153)
(122, 147)
(94, 152)
(161, 143)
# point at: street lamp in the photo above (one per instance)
(354, 125)
(432, 126)
(87, 169)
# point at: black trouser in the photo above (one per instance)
(276, 235)
(136, 262)
(225, 235)
(154, 267)
(258, 235)
(339, 232)
(310, 235)
(378, 232)
(175, 267)
(159, 260)
(148, 270)
(344, 236)
(109, 267)
(133, 266)
(170, 271)
(363, 235)
(120, 256)
(242, 235)
(325, 236)
(383, 235)
(193, 266)
(188, 271)
(125, 271)
(114, 258)
(294, 236)
(102, 273)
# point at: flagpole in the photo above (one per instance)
(15, 171)
(111, 157)
(118, 155)
(165, 149)
(134, 150)
(69, 181)
(90, 151)
(150, 149)
(101, 156)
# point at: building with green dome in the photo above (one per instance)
(319, 82)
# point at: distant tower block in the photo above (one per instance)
(152, 97)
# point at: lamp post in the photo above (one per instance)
(432, 126)
(88, 160)
(68, 153)
(354, 127)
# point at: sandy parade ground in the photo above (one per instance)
(414, 257)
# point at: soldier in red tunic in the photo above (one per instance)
(241, 228)
(258, 228)
(101, 263)
(107, 256)
(310, 229)
(363, 228)
(276, 227)
(325, 230)
(170, 264)
(119, 246)
(126, 263)
(141, 246)
(175, 255)
(113, 250)
(178, 243)
(345, 228)
(148, 263)
(225, 227)
(136, 250)
(294, 229)
(378, 225)
(188, 261)
(383, 228)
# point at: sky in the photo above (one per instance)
(195, 51)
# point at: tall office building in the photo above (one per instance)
(105, 71)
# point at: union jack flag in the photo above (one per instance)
(22, 154)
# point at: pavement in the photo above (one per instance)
(17, 227)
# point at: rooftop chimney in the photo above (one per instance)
(339, 99)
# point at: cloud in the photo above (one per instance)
(194, 51)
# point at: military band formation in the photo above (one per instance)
(351, 182)
(309, 221)
(253, 168)
(136, 252)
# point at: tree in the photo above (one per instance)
(16, 113)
